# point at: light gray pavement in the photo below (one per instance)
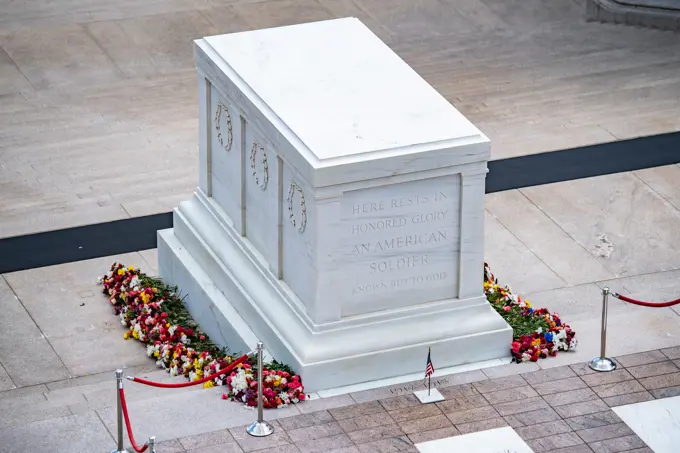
(98, 111)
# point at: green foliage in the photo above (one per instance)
(178, 314)
(521, 323)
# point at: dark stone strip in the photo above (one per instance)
(81, 243)
(139, 233)
(585, 162)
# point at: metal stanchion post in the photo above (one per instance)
(603, 363)
(152, 444)
(119, 413)
(260, 428)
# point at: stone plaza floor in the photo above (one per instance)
(98, 100)
(98, 122)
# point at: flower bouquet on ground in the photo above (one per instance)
(537, 333)
(154, 314)
(280, 387)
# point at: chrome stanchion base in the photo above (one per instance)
(602, 364)
(260, 429)
(119, 451)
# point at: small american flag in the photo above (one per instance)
(429, 369)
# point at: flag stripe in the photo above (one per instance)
(429, 368)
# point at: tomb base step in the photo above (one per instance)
(237, 301)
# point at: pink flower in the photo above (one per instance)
(506, 308)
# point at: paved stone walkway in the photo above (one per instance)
(559, 410)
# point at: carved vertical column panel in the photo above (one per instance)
(225, 159)
(260, 176)
(471, 266)
(204, 135)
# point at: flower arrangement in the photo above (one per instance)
(154, 314)
(536, 332)
(279, 387)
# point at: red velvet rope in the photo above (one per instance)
(647, 304)
(123, 405)
(226, 369)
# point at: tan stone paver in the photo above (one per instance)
(581, 423)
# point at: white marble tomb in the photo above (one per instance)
(339, 213)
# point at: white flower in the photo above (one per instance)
(239, 381)
(173, 371)
(539, 330)
(100, 280)
(573, 344)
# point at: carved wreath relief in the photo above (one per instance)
(301, 223)
(264, 180)
(218, 128)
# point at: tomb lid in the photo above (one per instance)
(342, 96)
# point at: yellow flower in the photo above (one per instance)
(536, 342)
(131, 268)
(123, 295)
(208, 385)
(156, 354)
(527, 304)
(167, 325)
(145, 297)
(155, 290)
(127, 335)
(121, 271)
(135, 334)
